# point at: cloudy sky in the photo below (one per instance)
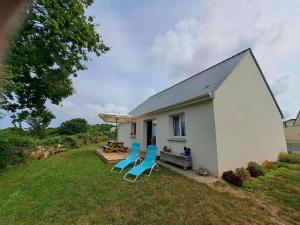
(155, 44)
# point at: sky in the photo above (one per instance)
(155, 44)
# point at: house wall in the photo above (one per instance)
(297, 122)
(124, 134)
(292, 137)
(248, 123)
(200, 134)
(289, 123)
(292, 134)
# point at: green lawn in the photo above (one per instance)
(285, 191)
(76, 187)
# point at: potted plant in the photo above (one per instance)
(203, 171)
(187, 151)
(166, 149)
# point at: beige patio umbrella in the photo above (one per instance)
(115, 118)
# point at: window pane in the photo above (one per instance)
(182, 125)
(176, 129)
(133, 128)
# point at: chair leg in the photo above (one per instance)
(112, 169)
(121, 170)
(125, 178)
(155, 165)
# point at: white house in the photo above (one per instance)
(292, 134)
(226, 114)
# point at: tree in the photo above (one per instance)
(48, 50)
(73, 126)
(39, 122)
(2, 101)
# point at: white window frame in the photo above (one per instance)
(131, 129)
(180, 116)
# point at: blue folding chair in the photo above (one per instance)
(132, 158)
(148, 164)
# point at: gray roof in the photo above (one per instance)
(205, 82)
(200, 84)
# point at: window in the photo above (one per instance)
(178, 125)
(133, 129)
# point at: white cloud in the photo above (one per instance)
(270, 28)
(149, 92)
(108, 108)
(152, 49)
(88, 111)
(196, 43)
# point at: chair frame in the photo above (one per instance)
(136, 177)
(135, 162)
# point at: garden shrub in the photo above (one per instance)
(17, 144)
(99, 128)
(289, 157)
(249, 184)
(85, 137)
(73, 126)
(10, 154)
(53, 140)
(269, 165)
(25, 142)
(19, 138)
(283, 165)
(256, 165)
(242, 172)
(79, 142)
(296, 167)
(282, 170)
(98, 139)
(256, 169)
(232, 178)
(70, 141)
(254, 172)
(6, 150)
(12, 131)
(51, 131)
(272, 173)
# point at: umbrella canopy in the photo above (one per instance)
(115, 118)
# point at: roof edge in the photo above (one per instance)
(298, 116)
(204, 97)
(248, 49)
(222, 81)
(264, 78)
(288, 120)
(202, 71)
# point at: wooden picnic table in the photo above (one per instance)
(115, 146)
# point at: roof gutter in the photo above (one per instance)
(201, 98)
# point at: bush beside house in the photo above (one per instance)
(247, 177)
(289, 158)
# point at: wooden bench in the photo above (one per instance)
(176, 159)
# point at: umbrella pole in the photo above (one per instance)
(116, 133)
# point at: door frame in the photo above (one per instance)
(145, 129)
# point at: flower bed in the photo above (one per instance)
(255, 172)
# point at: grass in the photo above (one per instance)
(76, 187)
(285, 191)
